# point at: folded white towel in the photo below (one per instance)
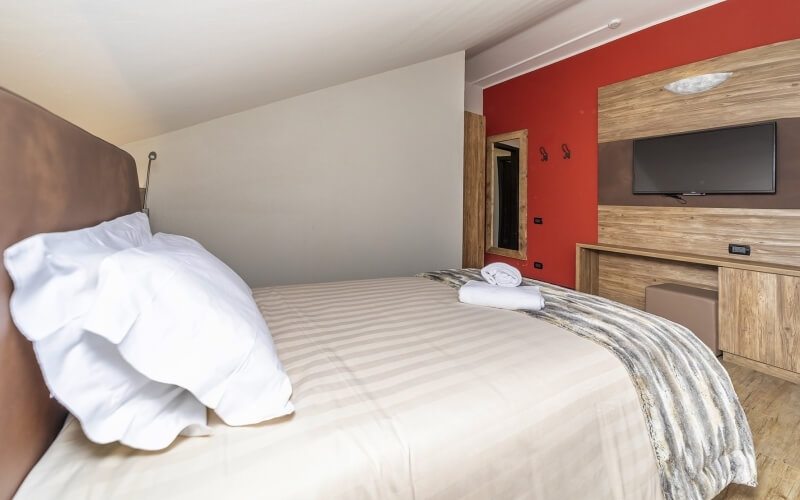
(480, 293)
(501, 274)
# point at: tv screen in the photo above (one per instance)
(729, 160)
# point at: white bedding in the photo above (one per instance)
(400, 391)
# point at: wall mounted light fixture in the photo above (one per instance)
(696, 84)
(543, 152)
(150, 157)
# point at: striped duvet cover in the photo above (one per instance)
(403, 392)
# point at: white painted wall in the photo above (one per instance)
(473, 98)
(359, 180)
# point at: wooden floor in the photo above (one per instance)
(772, 406)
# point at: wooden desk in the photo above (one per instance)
(759, 303)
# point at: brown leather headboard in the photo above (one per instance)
(54, 176)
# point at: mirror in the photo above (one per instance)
(507, 194)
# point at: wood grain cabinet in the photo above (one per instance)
(759, 302)
(759, 317)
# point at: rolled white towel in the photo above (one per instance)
(501, 274)
(527, 298)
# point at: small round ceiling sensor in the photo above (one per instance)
(614, 23)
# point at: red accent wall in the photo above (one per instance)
(558, 104)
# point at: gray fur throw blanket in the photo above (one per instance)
(697, 426)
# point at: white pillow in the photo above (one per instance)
(55, 274)
(55, 282)
(181, 316)
(112, 401)
(259, 390)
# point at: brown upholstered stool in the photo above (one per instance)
(694, 308)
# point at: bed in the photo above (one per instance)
(400, 391)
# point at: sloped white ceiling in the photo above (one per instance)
(127, 70)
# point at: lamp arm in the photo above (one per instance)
(150, 157)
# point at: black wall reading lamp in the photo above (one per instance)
(543, 152)
(150, 157)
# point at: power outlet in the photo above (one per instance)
(538, 265)
(738, 249)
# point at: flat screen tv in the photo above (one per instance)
(728, 160)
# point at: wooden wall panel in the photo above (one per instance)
(759, 311)
(773, 235)
(764, 86)
(474, 190)
(624, 278)
(760, 317)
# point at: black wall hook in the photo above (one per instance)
(567, 153)
(543, 152)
